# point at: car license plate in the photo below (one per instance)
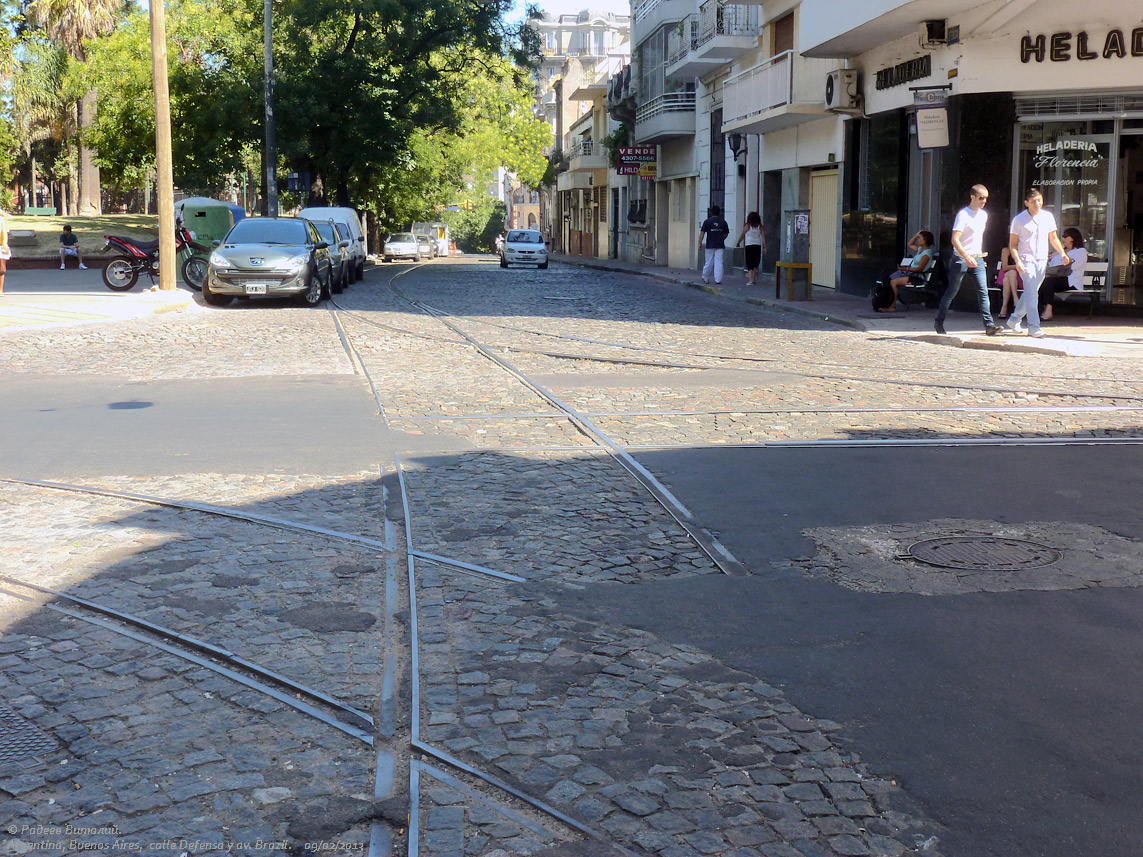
(256, 288)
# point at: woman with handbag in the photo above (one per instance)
(1064, 272)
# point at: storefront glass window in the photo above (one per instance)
(1071, 165)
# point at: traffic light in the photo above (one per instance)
(468, 205)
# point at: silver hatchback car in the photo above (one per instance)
(268, 257)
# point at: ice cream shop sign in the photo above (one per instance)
(1068, 154)
(1063, 47)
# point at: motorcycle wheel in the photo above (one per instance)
(194, 272)
(119, 275)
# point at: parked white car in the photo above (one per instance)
(524, 247)
(402, 245)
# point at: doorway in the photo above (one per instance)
(824, 227)
(1127, 245)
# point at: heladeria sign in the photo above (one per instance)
(1068, 155)
(1062, 47)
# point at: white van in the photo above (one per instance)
(350, 224)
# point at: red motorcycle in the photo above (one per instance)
(136, 257)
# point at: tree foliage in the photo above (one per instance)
(391, 105)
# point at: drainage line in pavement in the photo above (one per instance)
(414, 811)
(475, 569)
(469, 792)
(440, 756)
(414, 654)
(201, 646)
(966, 441)
(356, 359)
(221, 511)
(284, 698)
(965, 409)
(721, 557)
(744, 358)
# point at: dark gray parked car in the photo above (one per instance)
(269, 257)
(340, 259)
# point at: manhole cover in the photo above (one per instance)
(983, 553)
(19, 739)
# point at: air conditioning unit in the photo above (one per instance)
(934, 33)
(841, 93)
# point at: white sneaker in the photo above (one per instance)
(62, 266)
(1014, 325)
(82, 266)
(1037, 334)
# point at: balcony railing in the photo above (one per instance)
(683, 39)
(715, 19)
(785, 80)
(668, 102)
(582, 148)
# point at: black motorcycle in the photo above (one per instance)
(137, 257)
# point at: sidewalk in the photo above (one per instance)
(1070, 333)
(49, 297)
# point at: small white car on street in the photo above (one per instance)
(524, 247)
(402, 245)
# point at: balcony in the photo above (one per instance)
(587, 155)
(649, 15)
(783, 91)
(664, 117)
(712, 38)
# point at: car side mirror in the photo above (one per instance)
(215, 243)
(343, 245)
(322, 245)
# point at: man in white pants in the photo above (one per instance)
(715, 230)
(1031, 232)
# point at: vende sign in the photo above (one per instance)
(638, 161)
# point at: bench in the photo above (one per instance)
(42, 211)
(22, 238)
(1094, 278)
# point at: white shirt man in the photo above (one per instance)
(968, 256)
(1031, 234)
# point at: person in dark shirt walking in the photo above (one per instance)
(715, 231)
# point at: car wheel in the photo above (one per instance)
(313, 292)
(350, 274)
(212, 298)
(543, 266)
(337, 284)
(503, 262)
(360, 273)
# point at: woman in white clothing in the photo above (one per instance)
(1073, 243)
(754, 237)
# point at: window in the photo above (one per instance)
(782, 35)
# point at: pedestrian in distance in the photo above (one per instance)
(754, 237)
(1029, 237)
(714, 232)
(5, 250)
(1008, 279)
(69, 246)
(968, 256)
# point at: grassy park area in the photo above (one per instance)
(89, 230)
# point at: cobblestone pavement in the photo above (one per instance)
(609, 740)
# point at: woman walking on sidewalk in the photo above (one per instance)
(755, 237)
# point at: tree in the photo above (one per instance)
(71, 23)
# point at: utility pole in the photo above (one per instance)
(164, 178)
(271, 145)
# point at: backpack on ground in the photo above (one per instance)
(882, 295)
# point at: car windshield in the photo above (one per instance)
(325, 230)
(402, 238)
(525, 236)
(264, 230)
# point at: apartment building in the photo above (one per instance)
(580, 53)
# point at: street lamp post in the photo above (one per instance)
(164, 174)
(271, 144)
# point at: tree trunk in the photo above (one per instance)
(65, 198)
(72, 181)
(89, 190)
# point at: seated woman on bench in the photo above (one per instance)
(921, 246)
(1073, 243)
